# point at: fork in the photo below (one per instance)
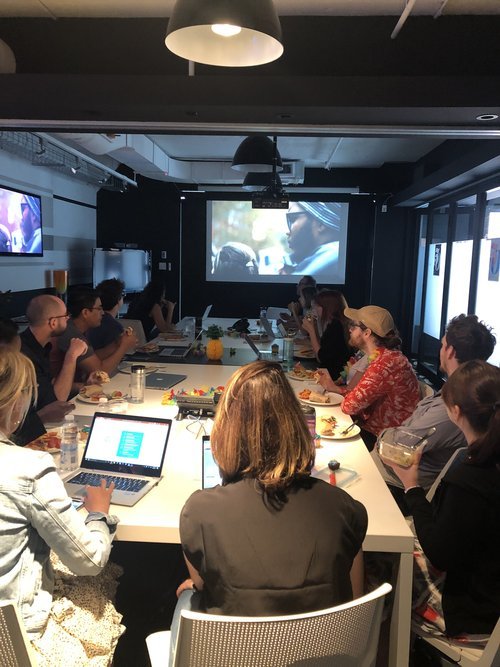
(349, 428)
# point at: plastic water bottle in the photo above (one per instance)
(69, 444)
(288, 350)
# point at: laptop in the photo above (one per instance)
(265, 355)
(163, 381)
(268, 328)
(175, 352)
(126, 449)
(210, 474)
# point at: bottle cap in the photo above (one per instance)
(69, 418)
(102, 400)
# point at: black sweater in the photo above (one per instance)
(460, 534)
(333, 352)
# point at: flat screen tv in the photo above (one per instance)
(20, 223)
(245, 244)
(133, 266)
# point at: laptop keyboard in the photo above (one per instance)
(121, 483)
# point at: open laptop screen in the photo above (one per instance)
(126, 443)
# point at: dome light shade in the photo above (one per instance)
(256, 182)
(190, 32)
(256, 153)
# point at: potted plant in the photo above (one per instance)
(215, 349)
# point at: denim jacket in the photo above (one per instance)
(36, 515)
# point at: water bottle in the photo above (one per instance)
(103, 404)
(137, 384)
(69, 445)
(310, 416)
(288, 353)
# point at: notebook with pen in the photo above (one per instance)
(126, 449)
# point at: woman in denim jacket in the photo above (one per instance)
(36, 516)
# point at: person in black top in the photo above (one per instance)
(271, 539)
(330, 346)
(151, 308)
(459, 532)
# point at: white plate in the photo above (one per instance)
(335, 399)
(353, 432)
(125, 367)
(299, 378)
(88, 399)
(304, 354)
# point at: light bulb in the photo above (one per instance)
(226, 29)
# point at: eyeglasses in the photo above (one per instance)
(56, 317)
(96, 308)
(359, 325)
(293, 217)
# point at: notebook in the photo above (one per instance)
(163, 380)
(127, 449)
(265, 355)
(210, 475)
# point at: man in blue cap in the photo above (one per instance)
(313, 238)
(30, 225)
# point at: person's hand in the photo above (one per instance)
(294, 308)
(76, 348)
(308, 325)
(55, 411)
(96, 377)
(128, 341)
(187, 585)
(170, 305)
(98, 498)
(408, 476)
(325, 380)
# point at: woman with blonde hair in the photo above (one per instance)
(327, 331)
(68, 619)
(271, 539)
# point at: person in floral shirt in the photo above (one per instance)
(388, 391)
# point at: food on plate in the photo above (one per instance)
(101, 376)
(327, 426)
(303, 373)
(91, 390)
(304, 394)
(172, 335)
(318, 397)
(149, 347)
(47, 441)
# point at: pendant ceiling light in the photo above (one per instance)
(257, 153)
(255, 182)
(228, 33)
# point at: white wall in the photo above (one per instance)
(69, 227)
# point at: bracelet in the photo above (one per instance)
(417, 486)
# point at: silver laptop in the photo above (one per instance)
(210, 473)
(268, 327)
(126, 449)
(175, 352)
(265, 355)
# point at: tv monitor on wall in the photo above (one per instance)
(245, 244)
(130, 265)
(20, 223)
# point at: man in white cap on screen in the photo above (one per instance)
(313, 237)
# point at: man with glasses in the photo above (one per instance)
(313, 238)
(47, 320)
(105, 338)
(86, 311)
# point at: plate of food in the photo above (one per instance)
(331, 429)
(93, 392)
(149, 348)
(303, 374)
(324, 399)
(48, 442)
(304, 353)
(126, 366)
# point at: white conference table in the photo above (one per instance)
(155, 518)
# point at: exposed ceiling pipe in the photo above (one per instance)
(328, 162)
(402, 19)
(440, 10)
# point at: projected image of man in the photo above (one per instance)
(30, 225)
(313, 238)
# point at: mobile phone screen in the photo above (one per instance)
(76, 503)
(210, 469)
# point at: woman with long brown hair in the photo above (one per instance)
(459, 532)
(328, 331)
(271, 539)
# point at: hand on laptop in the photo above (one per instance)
(98, 498)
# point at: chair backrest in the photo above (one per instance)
(425, 390)
(15, 647)
(447, 466)
(342, 636)
(137, 327)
